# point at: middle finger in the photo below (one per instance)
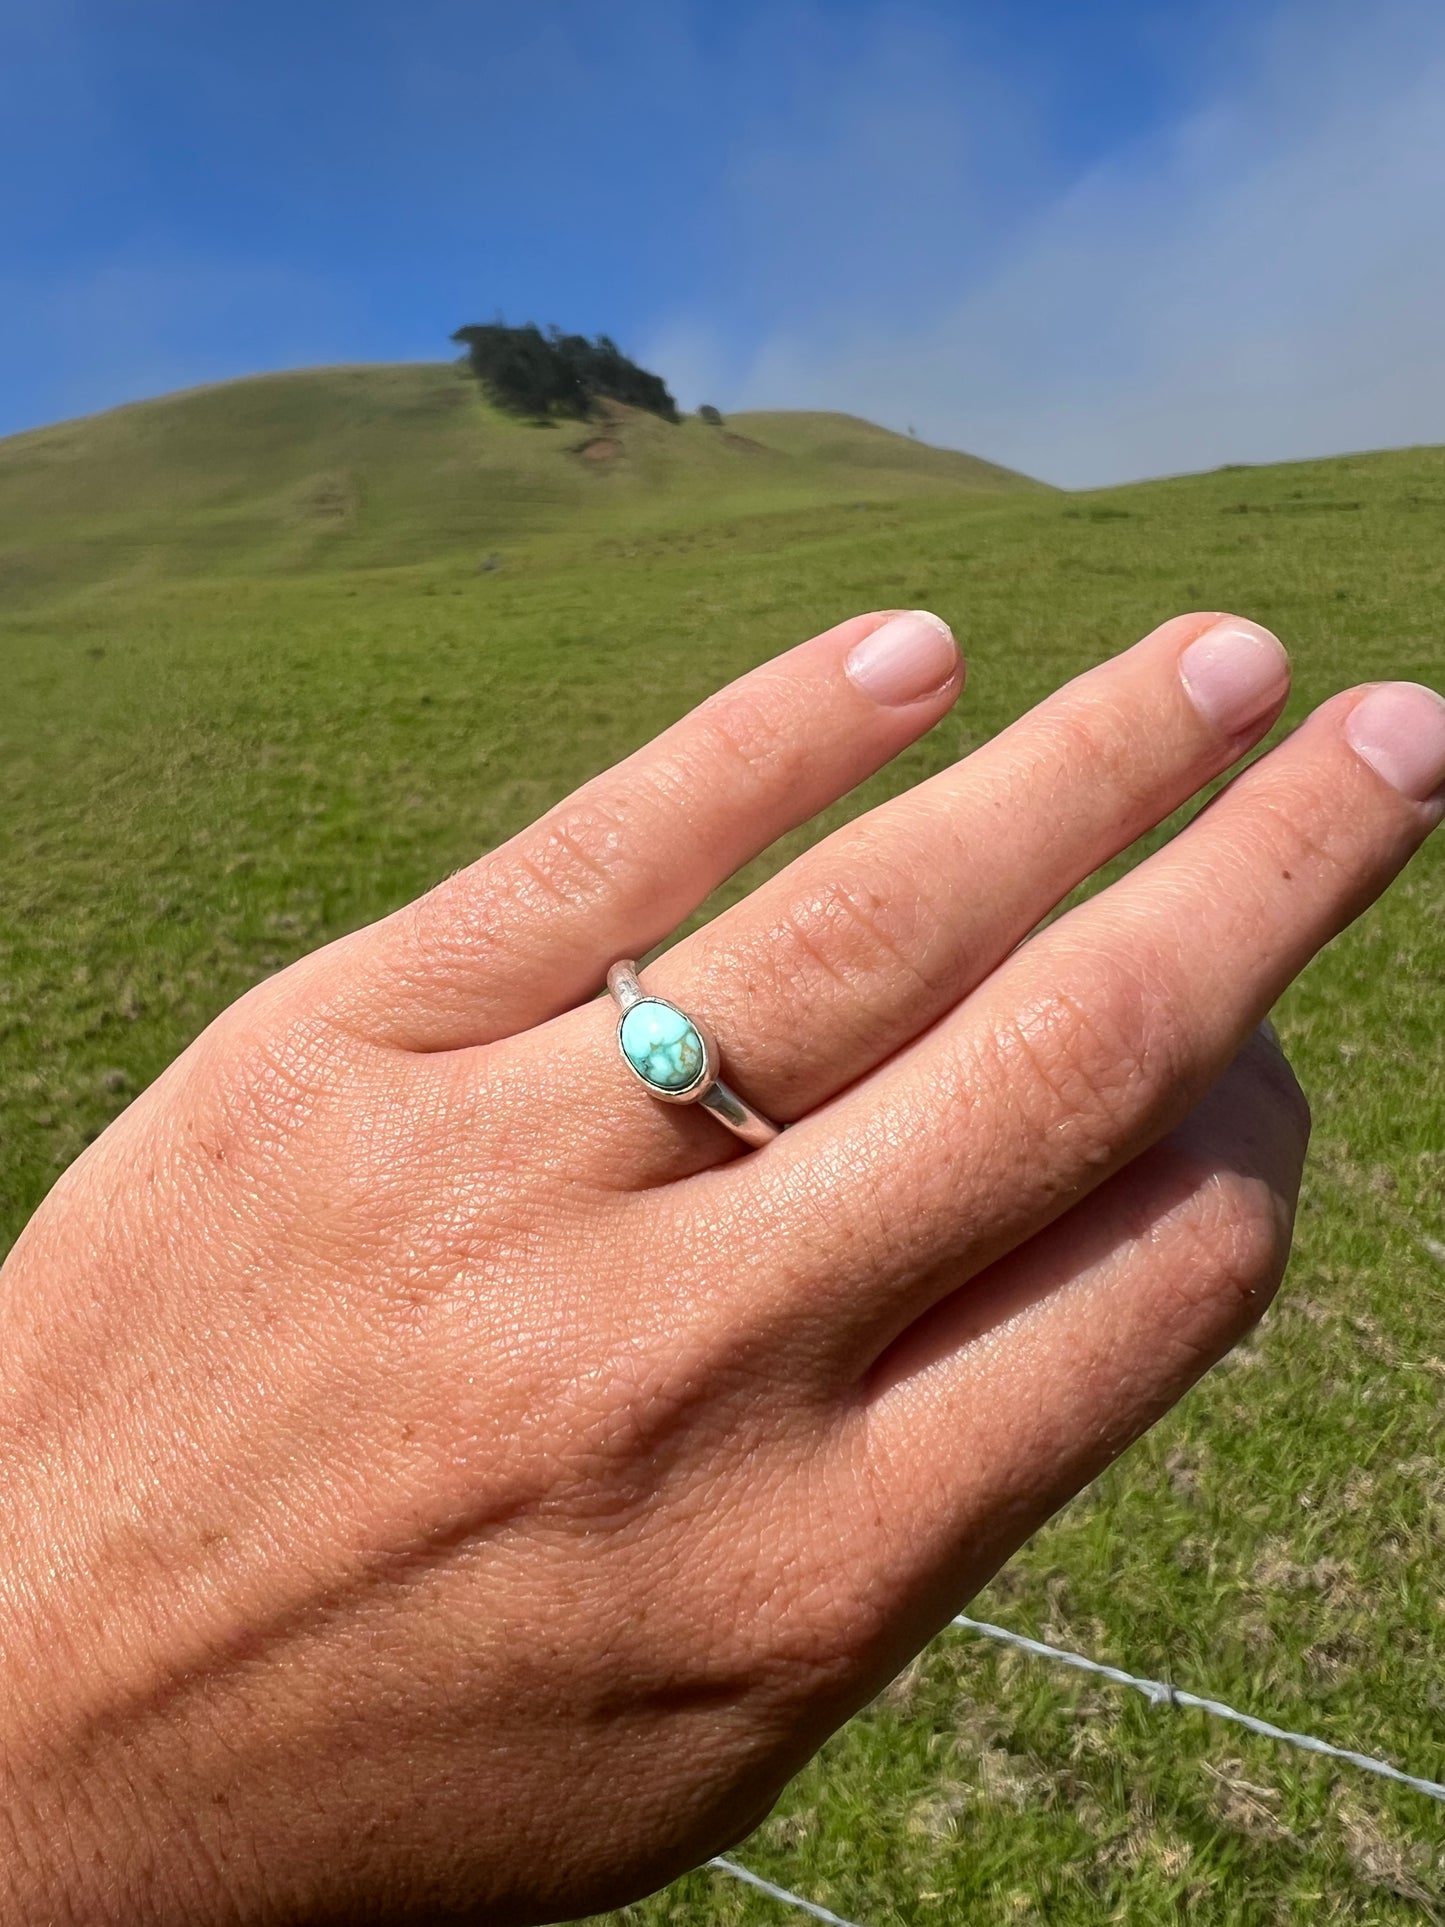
(1098, 1035)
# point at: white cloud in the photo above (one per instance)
(1263, 279)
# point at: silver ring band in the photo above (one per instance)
(675, 1058)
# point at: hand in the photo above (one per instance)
(440, 1482)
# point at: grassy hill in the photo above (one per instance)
(367, 466)
(243, 713)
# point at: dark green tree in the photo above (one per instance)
(532, 373)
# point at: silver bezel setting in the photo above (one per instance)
(705, 1077)
(707, 1088)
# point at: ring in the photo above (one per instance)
(671, 1055)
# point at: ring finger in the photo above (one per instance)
(867, 939)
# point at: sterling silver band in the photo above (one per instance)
(676, 1059)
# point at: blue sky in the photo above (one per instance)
(1095, 240)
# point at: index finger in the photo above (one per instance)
(530, 929)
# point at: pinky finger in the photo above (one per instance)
(1008, 1397)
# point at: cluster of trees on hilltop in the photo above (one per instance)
(532, 373)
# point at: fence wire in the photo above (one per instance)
(1163, 1694)
(751, 1879)
(1160, 1693)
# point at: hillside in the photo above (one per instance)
(393, 465)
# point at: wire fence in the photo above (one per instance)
(796, 1901)
(1160, 1693)
(1163, 1694)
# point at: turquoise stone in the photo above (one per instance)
(662, 1046)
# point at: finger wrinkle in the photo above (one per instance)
(758, 735)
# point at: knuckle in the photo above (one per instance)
(861, 941)
(820, 1627)
(257, 1084)
(880, 927)
(792, 959)
(599, 845)
(454, 920)
(770, 971)
(751, 731)
(567, 860)
(1305, 830)
(278, 1066)
(1097, 1064)
(1092, 739)
(843, 937)
(1232, 1246)
(570, 860)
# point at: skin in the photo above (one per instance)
(440, 1483)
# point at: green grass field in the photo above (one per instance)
(258, 690)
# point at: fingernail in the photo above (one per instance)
(908, 658)
(1399, 729)
(1234, 673)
